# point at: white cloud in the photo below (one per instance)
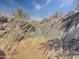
(38, 6)
(48, 2)
(66, 2)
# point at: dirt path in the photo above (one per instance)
(31, 52)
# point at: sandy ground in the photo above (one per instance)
(28, 50)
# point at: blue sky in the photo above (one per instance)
(38, 9)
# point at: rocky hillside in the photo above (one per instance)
(53, 38)
(51, 27)
(15, 29)
(71, 36)
(63, 35)
(68, 46)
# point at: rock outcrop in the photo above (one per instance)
(68, 43)
(71, 36)
(14, 29)
(51, 28)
